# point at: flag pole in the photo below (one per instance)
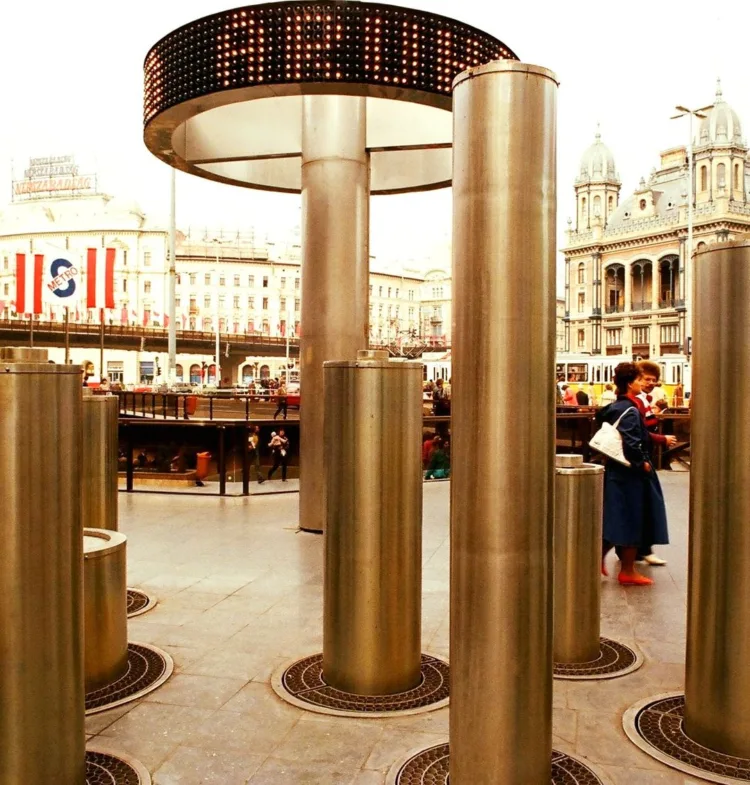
(67, 335)
(101, 344)
(172, 328)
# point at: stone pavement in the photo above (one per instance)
(240, 592)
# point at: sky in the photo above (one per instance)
(72, 83)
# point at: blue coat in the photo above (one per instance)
(634, 511)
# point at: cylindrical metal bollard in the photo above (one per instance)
(373, 549)
(99, 462)
(502, 472)
(335, 269)
(717, 675)
(105, 607)
(42, 738)
(579, 491)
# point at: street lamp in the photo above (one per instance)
(701, 114)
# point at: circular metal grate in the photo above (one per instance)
(431, 767)
(615, 659)
(104, 768)
(139, 602)
(148, 668)
(656, 725)
(301, 683)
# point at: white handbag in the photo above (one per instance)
(608, 440)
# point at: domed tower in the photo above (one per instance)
(720, 154)
(597, 186)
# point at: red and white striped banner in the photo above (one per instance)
(100, 278)
(29, 272)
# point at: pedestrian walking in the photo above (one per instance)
(279, 445)
(634, 510)
(441, 403)
(281, 400)
(253, 450)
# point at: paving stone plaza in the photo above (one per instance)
(240, 593)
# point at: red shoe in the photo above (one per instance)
(634, 580)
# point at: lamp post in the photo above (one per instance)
(690, 113)
(172, 273)
(216, 242)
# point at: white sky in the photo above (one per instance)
(72, 83)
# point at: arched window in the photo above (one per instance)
(704, 178)
(611, 204)
(737, 184)
(583, 206)
(264, 327)
(247, 374)
(581, 273)
(179, 372)
(212, 374)
(265, 372)
(597, 205)
(195, 374)
(721, 176)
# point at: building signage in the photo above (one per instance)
(52, 177)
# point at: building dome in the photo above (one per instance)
(721, 125)
(597, 163)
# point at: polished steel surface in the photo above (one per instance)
(104, 607)
(335, 270)
(579, 500)
(502, 480)
(717, 678)
(99, 461)
(373, 546)
(23, 354)
(42, 737)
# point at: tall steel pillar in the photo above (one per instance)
(335, 256)
(504, 202)
(717, 678)
(42, 737)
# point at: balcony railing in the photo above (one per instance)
(614, 308)
(667, 302)
(641, 305)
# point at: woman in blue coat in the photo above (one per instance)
(634, 511)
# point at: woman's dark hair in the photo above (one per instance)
(625, 374)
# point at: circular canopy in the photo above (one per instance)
(223, 94)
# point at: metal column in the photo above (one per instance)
(99, 460)
(373, 562)
(504, 203)
(335, 247)
(105, 604)
(717, 679)
(579, 491)
(42, 734)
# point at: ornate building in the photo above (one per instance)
(625, 260)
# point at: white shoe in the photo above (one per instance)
(654, 560)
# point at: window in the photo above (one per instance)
(265, 282)
(389, 291)
(251, 281)
(192, 279)
(283, 283)
(597, 205)
(390, 311)
(251, 303)
(147, 287)
(641, 336)
(397, 294)
(236, 280)
(581, 273)
(147, 258)
(611, 204)
(207, 279)
(124, 285)
(207, 301)
(222, 302)
(581, 338)
(6, 289)
(411, 294)
(5, 264)
(177, 301)
(704, 178)
(222, 280)
(296, 305)
(642, 204)
(193, 304)
(581, 302)
(296, 284)
(614, 337)
(737, 184)
(380, 309)
(282, 304)
(265, 303)
(583, 206)
(370, 290)
(669, 333)
(411, 313)
(236, 302)
(721, 176)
